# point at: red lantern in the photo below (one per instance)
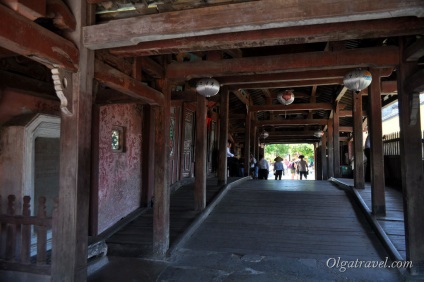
(286, 98)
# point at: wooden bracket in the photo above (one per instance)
(62, 80)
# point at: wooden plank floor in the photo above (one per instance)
(136, 238)
(393, 223)
(294, 218)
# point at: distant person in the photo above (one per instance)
(367, 152)
(253, 167)
(232, 162)
(302, 167)
(292, 168)
(263, 168)
(278, 168)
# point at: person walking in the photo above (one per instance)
(302, 166)
(263, 168)
(278, 168)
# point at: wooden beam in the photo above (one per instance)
(161, 206)
(292, 107)
(27, 85)
(415, 51)
(284, 77)
(69, 260)
(378, 197)
(200, 155)
(126, 84)
(277, 36)
(239, 17)
(351, 58)
(348, 113)
(46, 47)
(411, 169)
(62, 16)
(223, 135)
(294, 133)
(416, 82)
(341, 93)
(292, 122)
(154, 69)
(287, 84)
(242, 97)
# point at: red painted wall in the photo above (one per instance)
(119, 174)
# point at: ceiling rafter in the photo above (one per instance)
(239, 17)
(352, 58)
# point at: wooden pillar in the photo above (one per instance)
(411, 164)
(223, 136)
(359, 180)
(247, 150)
(148, 149)
(161, 172)
(377, 159)
(330, 139)
(336, 123)
(317, 165)
(255, 142)
(200, 155)
(324, 163)
(69, 251)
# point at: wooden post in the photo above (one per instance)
(69, 254)
(324, 163)
(318, 164)
(41, 233)
(377, 159)
(200, 155)
(26, 232)
(161, 191)
(336, 125)
(148, 149)
(11, 230)
(247, 150)
(411, 166)
(359, 180)
(223, 136)
(330, 139)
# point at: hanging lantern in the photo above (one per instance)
(207, 87)
(357, 80)
(286, 98)
(264, 134)
(318, 133)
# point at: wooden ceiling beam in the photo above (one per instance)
(292, 122)
(45, 46)
(242, 97)
(126, 84)
(287, 84)
(27, 85)
(240, 17)
(278, 36)
(286, 76)
(292, 107)
(415, 51)
(352, 58)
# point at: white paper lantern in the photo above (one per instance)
(207, 87)
(286, 98)
(357, 80)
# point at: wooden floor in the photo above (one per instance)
(136, 238)
(393, 223)
(294, 218)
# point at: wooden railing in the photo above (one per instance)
(392, 163)
(16, 234)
